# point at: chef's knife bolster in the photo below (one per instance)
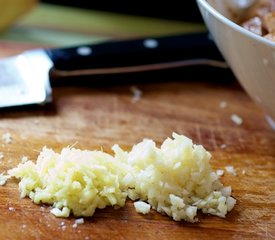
(139, 55)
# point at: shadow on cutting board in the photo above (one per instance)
(121, 83)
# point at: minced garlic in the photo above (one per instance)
(3, 179)
(223, 104)
(137, 94)
(231, 170)
(142, 207)
(24, 159)
(7, 138)
(73, 181)
(236, 119)
(220, 172)
(175, 179)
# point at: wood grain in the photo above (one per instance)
(97, 117)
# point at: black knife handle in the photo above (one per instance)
(138, 52)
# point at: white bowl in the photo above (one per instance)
(251, 57)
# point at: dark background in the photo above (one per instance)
(170, 9)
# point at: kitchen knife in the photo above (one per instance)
(26, 78)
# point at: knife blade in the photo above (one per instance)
(27, 78)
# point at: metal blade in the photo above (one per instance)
(24, 79)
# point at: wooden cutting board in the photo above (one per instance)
(97, 117)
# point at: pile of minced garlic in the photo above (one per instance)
(175, 179)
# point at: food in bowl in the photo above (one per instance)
(250, 56)
(260, 19)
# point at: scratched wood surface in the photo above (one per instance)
(95, 117)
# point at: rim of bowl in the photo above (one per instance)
(233, 25)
